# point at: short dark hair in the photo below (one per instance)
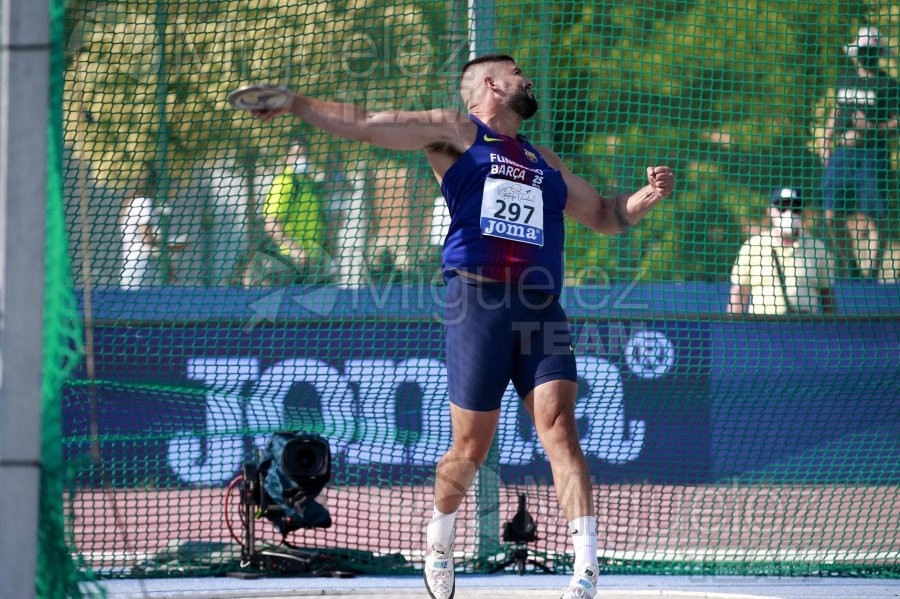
(484, 59)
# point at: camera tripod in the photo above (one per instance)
(281, 561)
(518, 555)
(520, 531)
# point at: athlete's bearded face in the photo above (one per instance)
(523, 103)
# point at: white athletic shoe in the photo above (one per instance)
(438, 571)
(583, 584)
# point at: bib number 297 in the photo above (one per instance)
(512, 210)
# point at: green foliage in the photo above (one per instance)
(731, 94)
(724, 91)
(148, 80)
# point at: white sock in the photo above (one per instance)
(584, 538)
(440, 529)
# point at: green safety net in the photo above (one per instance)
(61, 572)
(737, 392)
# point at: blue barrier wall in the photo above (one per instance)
(624, 299)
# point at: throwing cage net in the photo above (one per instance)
(718, 442)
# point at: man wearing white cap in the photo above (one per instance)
(782, 271)
(855, 151)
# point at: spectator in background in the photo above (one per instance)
(438, 229)
(392, 204)
(782, 270)
(348, 220)
(142, 240)
(294, 220)
(856, 155)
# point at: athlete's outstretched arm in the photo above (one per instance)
(390, 129)
(611, 215)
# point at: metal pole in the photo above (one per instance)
(162, 92)
(483, 40)
(482, 28)
(24, 106)
(543, 121)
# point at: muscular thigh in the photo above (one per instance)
(552, 403)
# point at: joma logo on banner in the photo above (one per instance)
(359, 406)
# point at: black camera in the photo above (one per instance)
(292, 471)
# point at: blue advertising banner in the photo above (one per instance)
(806, 402)
(180, 399)
(189, 384)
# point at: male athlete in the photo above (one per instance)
(503, 265)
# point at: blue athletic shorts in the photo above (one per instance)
(496, 333)
(856, 179)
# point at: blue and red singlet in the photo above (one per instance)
(506, 213)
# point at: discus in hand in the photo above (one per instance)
(260, 96)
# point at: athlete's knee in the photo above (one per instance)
(470, 450)
(558, 429)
